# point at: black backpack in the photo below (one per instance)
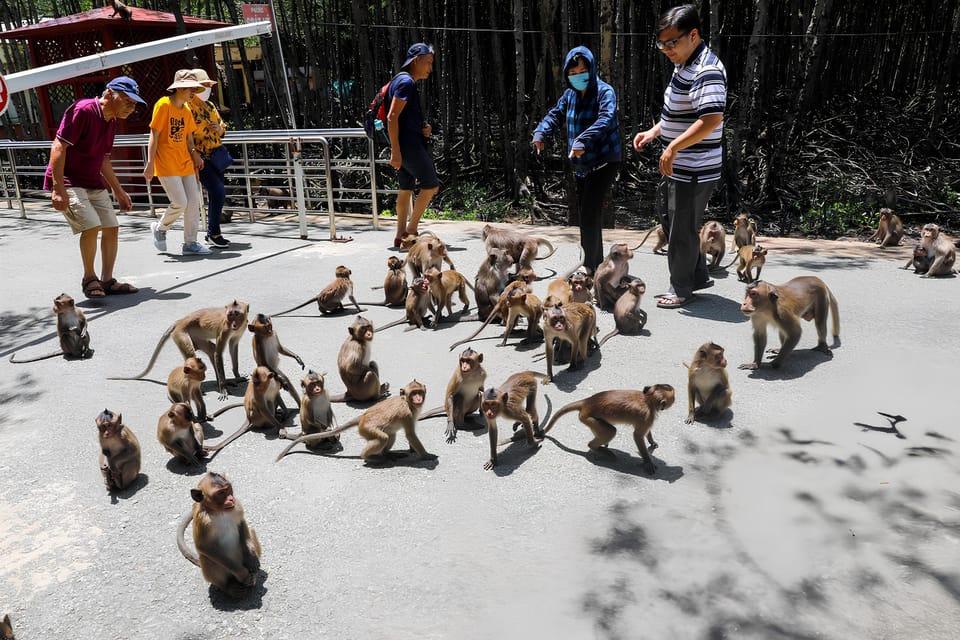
(375, 119)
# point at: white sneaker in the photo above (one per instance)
(159, 237)
(195, 248)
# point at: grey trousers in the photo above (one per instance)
(682, 206)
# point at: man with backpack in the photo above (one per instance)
(408, 133)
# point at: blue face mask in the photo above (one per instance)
(579, 81)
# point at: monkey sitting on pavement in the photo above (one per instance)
(71, 331)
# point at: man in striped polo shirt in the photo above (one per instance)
(691, 126)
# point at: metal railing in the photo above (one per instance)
(314, 170)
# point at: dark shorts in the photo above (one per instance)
(417, 168)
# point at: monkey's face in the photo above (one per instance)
(343, 272)
(557, 320)
(62, 303)
(216, 492)
(312, 384)
(490, 408)
(638, 287)
(237, 315)
(750, 302)
(108, 424)
(931, 231)
(394, 263)
(415, 393)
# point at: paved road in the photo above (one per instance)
(782, 519)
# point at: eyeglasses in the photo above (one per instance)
(670, 44)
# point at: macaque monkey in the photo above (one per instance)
(920, 261)
(575, 323)
(492, 278)
(409, 239)
(261, 403)
(560, 290)
(515, 296)
(6, 629)
(275, 197)
(515, 399)
(609, 274)
(937, 250)
(228, 551)
(748, 257)
(395, 284)
(119, 9)
(267, 351)
(119, 451)
(889, 231)
(661, 239)
(581, 285)
(426, 252)
(71, 330)
(379, 425)
(520, 246)
(316, 414)
(520, 303)
(183, 385)
(637, 408)
(418, 306)
(713, 242)
(180, 433)
(359, 373)
(783, 306)
(627, 314)
(463, 393)
(330, 299)
(443, 284)
(744, 232)
(209, 330)
(707, 382)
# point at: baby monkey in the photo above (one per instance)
(707, 382)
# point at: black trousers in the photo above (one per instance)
(683, 204)
(591, 190)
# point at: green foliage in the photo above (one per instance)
(468, 201)
(835, 211)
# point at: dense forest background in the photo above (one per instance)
(834, 108)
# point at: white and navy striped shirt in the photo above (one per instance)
(697, 89)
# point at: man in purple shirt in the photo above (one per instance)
(80, 172)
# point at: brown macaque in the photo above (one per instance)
(492, 278)
(581, 285)
(744, 232)
(409, 239)
(330, 298)
(275, 197)
(418, 307)
(627, 314)
(6, 629)
(267, 351)
(228, 551)
(463, 393)
(119, 9)
(939, 251)
(316, 414)
(889, 231)
(515, 399)
(71, 331)
(209, 330)
(713, 242)
(119, 451)
(520, 246)
(920, 261)
(783, 306)
(520, 303)
(610, 272)
(379, 425)
(507, 299)
(395, 284)
(575, 323)
(443, 284)
(625, 406)
(262, 405)
(184, 382)
(559, 290)
(707, 382)
(749, 257)
(426, 252)
(359, 373)
(661, 239)
(180, 433)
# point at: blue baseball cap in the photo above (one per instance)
(128, 86)
(419, 49)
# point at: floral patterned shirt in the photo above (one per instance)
(207, 137)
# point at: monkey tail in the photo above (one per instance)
(736, 256)
(181, 544)
(835, 312)
(153, 358)
(607, 337)
(436, 412)
(239, 432)
(565, 409)
(313, 437)
(299, 306)
(652, 229)
(223, 410)
(49, 355)
(543, 242)
(496, 308)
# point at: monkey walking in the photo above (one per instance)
(639, 409)
(228, 551)
(330, 298)
(707, 382)
(522, 247)
(661, 240)
(713, 242)
(747, 257)
(783, 306)
(744, 232)
(516, 399)
(463, 394)
(71, 331)
(119, 451)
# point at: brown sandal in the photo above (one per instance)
(92, 287)
(112, 287)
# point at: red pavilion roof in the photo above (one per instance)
(102, 17)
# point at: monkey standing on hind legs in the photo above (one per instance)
(119, 451)
(71, 331)
(707, 381)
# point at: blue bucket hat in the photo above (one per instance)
(128, 86)
(419, 49)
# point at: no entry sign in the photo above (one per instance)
(4, 95)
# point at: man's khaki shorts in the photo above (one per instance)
(89, 208)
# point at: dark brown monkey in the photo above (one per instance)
(609, 274)
(183, 385)
(267, 351)
(6, 628)
(209, 330)
(707, 382)
(379, 425)
(330, 298)
(119, 451)
(749, 257)
(463, 393)
(920, 261)
(395, 284)
(661, 239)
(713, 242)
(889, 231)
(261, 403)
(517, 400)
(71, 331)
(492, 278)
(316, 414)
(783, 306)
(119, 9)
(938, 250)
(180, 433)
(744, 232)
(573, 322)
(627, 314)
(443, 284)
(636, 408)
(522, 247)
(426, 252)
(228, 551)
(359, 373)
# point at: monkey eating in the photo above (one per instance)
(639, 409)
(180, 433)
(267, 351)
(516, 399)
(228, 551)
(119, 451)
(330, 298)
(889, 231)
(359, 373)
(521, 247)
(463, 394)
(783, 306)
(713, 242)
(316, 414)
(627, 314)
(610, 273)
(575, 323)
(71, 331)
(707, 382)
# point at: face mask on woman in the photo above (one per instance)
(579, 81)
(205, 94)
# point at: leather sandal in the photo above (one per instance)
(92, 287)
(112, 287)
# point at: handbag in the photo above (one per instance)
(220, 158)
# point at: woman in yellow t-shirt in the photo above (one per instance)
(172, 156)
(209, 136)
